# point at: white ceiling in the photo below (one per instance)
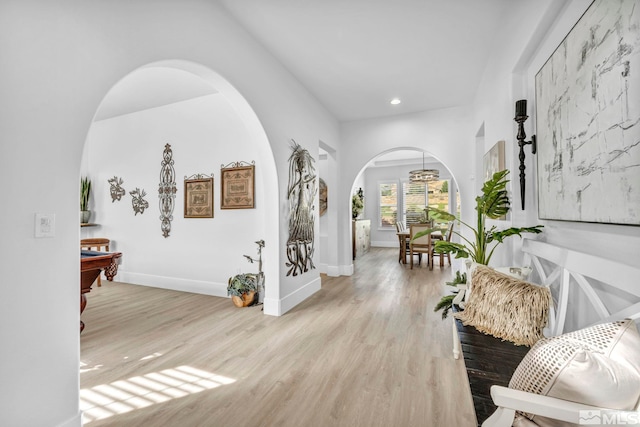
(356, 55)
(150, 87)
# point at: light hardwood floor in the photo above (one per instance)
(365, 350)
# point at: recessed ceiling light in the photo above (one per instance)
(395, 101)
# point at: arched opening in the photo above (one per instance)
(390, 197)
(208, 124)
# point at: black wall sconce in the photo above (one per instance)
(521, 117)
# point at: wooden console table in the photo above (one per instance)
(361, 237)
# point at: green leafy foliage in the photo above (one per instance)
(459, 279)
(357, 204)
(446, 302)
(85, 192)
(241, 284)
(445, 305)
(493, 203)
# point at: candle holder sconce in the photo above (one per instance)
(521, 117)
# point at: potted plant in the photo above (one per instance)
(357, 204)
(85, 193)
(243, 289)
(493, 203)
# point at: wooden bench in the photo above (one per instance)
(588, 278)
(488, 361)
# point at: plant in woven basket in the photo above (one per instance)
(243, 289)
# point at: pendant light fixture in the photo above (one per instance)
(424, 175)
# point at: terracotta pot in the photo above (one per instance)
(246, 300)
(237, 301)
(250, 298)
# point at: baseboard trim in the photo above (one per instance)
(276, 307)
(346, 270)
(75, 421)
(384, 244)
(174, 283)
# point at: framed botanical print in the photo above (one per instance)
(198, 198)
(237, 186)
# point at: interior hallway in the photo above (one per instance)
(367, 350)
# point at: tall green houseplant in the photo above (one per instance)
(493, 203)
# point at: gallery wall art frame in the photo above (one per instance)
(198, 196)
(237, 185)
(588, 119)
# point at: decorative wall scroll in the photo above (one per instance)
(301, 194)
(198, 196)
(237, 185)
(138, 202)
(588, 119)
(167, 190)
(115, 188)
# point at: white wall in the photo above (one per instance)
(510, 77)
(519, 54)
(386, 237)
(58, 62)
(610, 241)
(329, 238)
(200, 254)
(446, 134)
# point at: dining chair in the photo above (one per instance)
(100, 244)
(402, 240)
(421, 245)
(446, 238)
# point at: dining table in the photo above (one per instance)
(403, 236)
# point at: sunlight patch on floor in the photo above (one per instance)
(119, 397)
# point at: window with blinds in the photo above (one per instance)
(388, 204)
(413, 202)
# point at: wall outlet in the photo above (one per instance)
(45, 225)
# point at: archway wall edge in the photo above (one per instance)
(444, 134)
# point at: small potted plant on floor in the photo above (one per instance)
(243, 289)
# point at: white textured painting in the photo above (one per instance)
(588, 119)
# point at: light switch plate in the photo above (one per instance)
(45, 225)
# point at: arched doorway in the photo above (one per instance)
(207, 124)
(390, 197)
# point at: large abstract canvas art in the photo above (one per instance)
(588, 119)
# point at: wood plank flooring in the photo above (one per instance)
(366, 350)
